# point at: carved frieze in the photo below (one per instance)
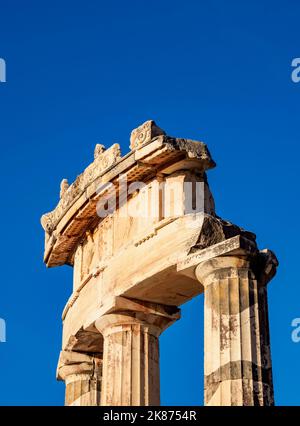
(102, 162)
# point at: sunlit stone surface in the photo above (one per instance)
(143, 238)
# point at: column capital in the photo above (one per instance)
(260, 265)
(222, 267)
(73, 363)
(153, 318)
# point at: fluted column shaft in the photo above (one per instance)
(131, 358)
(237, 359)
(82, 376)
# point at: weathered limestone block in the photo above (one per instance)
(215, 230)
(99, 149)
(237, 364)
(144, 134)
(64, 186)
(82, 376)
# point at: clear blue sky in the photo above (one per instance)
(87, 72)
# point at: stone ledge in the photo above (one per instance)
(232, 246)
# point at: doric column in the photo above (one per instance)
(131, 355)
(237, 359)
(82, 376)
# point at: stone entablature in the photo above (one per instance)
(76, 208)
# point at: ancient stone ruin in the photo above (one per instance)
(143, 237)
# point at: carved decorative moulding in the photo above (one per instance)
(144, 134)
